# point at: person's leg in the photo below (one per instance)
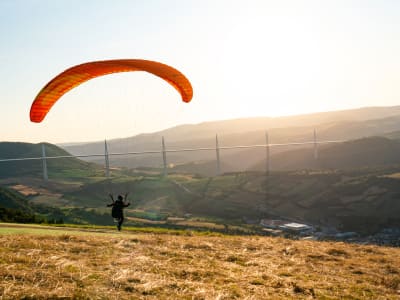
(120, 221)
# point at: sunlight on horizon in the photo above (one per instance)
(259, 59)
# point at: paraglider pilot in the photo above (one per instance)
(117, 209)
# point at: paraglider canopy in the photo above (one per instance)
(77, 75)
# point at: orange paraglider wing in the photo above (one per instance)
(76, 75)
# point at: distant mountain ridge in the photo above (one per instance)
(207, 130)
(340, 125)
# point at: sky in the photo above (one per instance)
(244, 59)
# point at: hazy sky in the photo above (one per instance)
(244, 58)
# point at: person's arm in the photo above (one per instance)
(112, 199)
(126, 204)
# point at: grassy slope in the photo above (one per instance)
(12, 199)
(82, 264)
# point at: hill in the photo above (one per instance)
(83, 264)
(354, 154)
(62, 167)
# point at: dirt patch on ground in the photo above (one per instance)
(46, 187)
(33, 191)
(145, 221)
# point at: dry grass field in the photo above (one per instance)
(43, 264)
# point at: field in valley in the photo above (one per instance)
(38, 263)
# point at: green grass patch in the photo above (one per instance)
(56, 229)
